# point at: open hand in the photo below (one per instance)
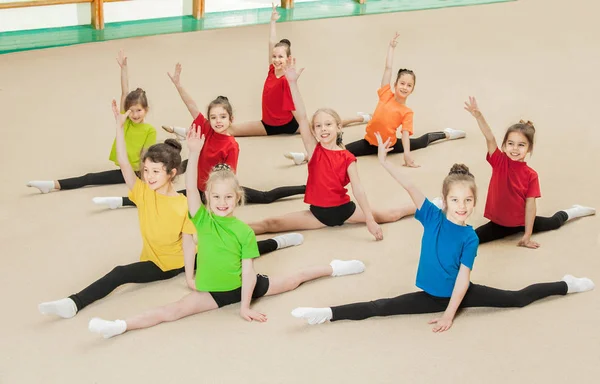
(175, 76)
(290, 72)
(528, 243)
(383, 147)
(195, 139)
(441, 324)
(394, 41)
(274, 14)
(472, 107)
(409, 162)
(250, 315)
(375, 229)
(122, 59)
(119, 117)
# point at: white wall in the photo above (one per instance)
(52, 16)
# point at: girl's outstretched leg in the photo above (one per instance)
(195, 302)
(249, 128)
(294, 221)
(287, 283)
(381, 217)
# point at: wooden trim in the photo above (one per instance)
(97, 14)
(287, 4)
(198, 9)
(41, 3)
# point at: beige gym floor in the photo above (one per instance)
(533, 59)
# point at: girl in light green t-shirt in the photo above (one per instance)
(226, 249)
(139, 136)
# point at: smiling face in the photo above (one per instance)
(156, 176)
(326, 128)
(404, 86)
(137, 114)
(279, 58)
(459, 202)
(220, 120)
(516, 146)
(222, 197)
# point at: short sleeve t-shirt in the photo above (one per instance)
(388, 116)
(217, 149)
(328, 177)
(277, 102)
(444, 247)
(138, 137)
(511, 184)
(162, 221)
(223, 242)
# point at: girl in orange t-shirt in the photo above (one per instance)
(391, 114)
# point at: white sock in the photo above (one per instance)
(112, 202)
(455, 133)
(313, 315)
(298, 157)
(288, 240)
(42, 185)
(349, 267)
(438, 202)
(579, 211)
(578, 284)
(64, 308)
(366, 116)
(107, 328)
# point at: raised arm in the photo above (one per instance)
(389, 62)
(273, 31)
(361, 197)
(126, 169)
(248, 284)
(472, 107)
(195, 142)
(415, 194)
(309, 140)
(122, 60)
(185, 97)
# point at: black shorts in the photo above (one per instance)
(231, 297)
(288, 128)
(333, 216)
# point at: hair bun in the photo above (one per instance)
(459, 169)
(174, 143)
(222, 98)
(286, 41)
(222, 167)
(528, 123)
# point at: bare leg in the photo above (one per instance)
(290, 222)
(56, 185)
(249, 128)
(280, 284)
(195, 302)
(352, 120)
(381, 217)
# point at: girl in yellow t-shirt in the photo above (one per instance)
(139, 136)
(226, 249)
(390, 115)
(164, 225)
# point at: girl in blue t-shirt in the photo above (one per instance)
(448, 250)
(226, 250)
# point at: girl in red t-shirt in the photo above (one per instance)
(514, 186)
(220, 148)
(330, 169)
(390, 114)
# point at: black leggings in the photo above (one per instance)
(99, 178)
(492, 231)
(421, 302)
(363, 147)
(253, 196)
(140, 272)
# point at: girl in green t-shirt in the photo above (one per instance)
(139, 136)
(226, 249)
